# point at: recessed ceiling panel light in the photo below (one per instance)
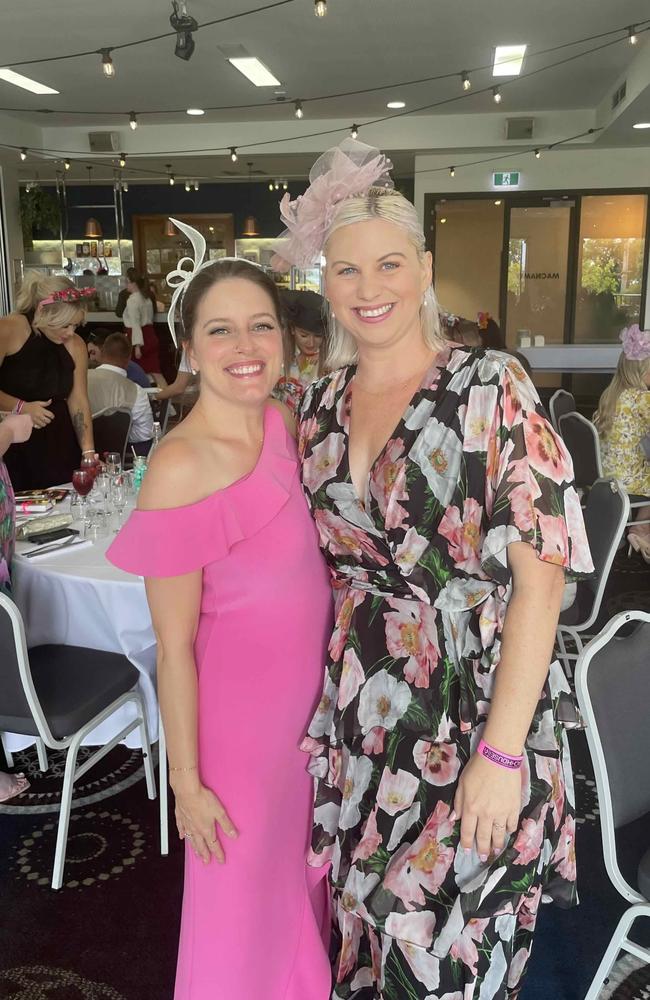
(19, 80)
(255, 71)
(641, 125)
(396, 104)
(195, 111)
(508, 60)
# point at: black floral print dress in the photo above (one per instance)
(421, 581)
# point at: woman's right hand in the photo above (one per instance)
(198, 813)
(38, 411)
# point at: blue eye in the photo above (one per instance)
(347, 270)
(220, 331)
(263, 327)
(391, 264)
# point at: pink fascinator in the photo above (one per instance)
(345, 171)
(636, 343)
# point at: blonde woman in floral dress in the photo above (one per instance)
(446, 512)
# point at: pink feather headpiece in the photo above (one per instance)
(345, 171)
(68, 295)
(636, 343)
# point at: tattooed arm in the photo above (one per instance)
(78, 403)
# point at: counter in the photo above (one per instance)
(599, 358)
(110, 317)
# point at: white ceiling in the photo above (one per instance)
(360, 44)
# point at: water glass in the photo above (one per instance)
(119, 499)
(113, 463)
(98, 525)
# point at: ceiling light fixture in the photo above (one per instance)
(354, 131)
(170, 177)
(25, 82)
(443, 220)
(396, 105)
(196, 185)
(23, 152)
(122, 159)
(93, 229)
(465, 80)
(271, 186)
(66, 164)
(508, 60)
(133, 121)
(108, 66)
(197, 112)
(187, 186)
(298, 112)
(320, 8)
(255, 71)
(641, 125)
(125, 186)
(452, 171)
(183, 24)
(537, 154)
(496, 95)
(498, 201)
(632, 35)
(233, 154)
(250, 222)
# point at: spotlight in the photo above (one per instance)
(196, 185)
(125, 186)
(66, 164)
(187, 186)
(276, 186)
(172, 180)
(298, 112)
(452, 171)
(496, 94)
(133, 121)
(354, 131)
(285, 186)
(271, 186)
(233, 154)
(537, 154)
(320, 8)
(632, 35)
(108, 67)
(122, 159)
(170, 177)
(183, 25)
(467, 83)
(23, 154)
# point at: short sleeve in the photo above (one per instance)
(529, 490)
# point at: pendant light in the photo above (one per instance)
(250, 222)
(170, 229)
(93, 228)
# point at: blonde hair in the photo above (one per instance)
(389, 206)
(628, 375)
(36, 287)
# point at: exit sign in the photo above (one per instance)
(506, 179)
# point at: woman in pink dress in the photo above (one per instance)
(240, 602)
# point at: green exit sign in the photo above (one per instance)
(506, 179)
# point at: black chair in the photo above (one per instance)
(613, 689)
(583, 444)
(58, 695)
(561, 402)
(605, 513)
(111, 430)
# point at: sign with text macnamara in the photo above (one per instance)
(506, 179)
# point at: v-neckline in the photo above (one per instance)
(439, 361)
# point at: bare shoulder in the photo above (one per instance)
(287, 415)
(173, 476)
(14, 331)
(77, 348)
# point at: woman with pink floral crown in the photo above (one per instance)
(446, 512)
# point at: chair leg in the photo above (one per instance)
(164, 791)
(41, 750)
(146, 752)
(566, 663)
(7, 752)
(64, 815)
(617, 943)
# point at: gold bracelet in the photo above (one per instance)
(193, 768)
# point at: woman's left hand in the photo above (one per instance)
(138, 352)
(488, 803)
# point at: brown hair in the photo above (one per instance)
(219, 271)
(118, 347)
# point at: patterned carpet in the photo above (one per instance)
(111, 932)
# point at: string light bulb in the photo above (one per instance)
(170, 177)
(108, 66)
(320, 8)
(465, 80)
(298, 112)
(496, 94)
(452, 171)
(133, 121)
(632, 35)
(23, 154)
(537, 154)
(233, 154)
(122, 159)
(354, 131)
(270, 185)
(66, 164)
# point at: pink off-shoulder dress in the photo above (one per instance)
(255, 928)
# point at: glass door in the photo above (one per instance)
(538, 265)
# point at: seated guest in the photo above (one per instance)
(492, 339)
(109, 388)
(95, 344)
(184, 377)
(623, 421)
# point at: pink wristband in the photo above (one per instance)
(18, 408)
(498, 757)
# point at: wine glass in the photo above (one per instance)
(113, 463)
(89, 465)
(119, 499)
(82, 480)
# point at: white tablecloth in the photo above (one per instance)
(80, 599)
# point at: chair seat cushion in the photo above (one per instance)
(74, 684)
(643, 875)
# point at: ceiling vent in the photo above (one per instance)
(619, 95)
(519, 128)
(104, 142)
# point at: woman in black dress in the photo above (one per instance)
(43, 372)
